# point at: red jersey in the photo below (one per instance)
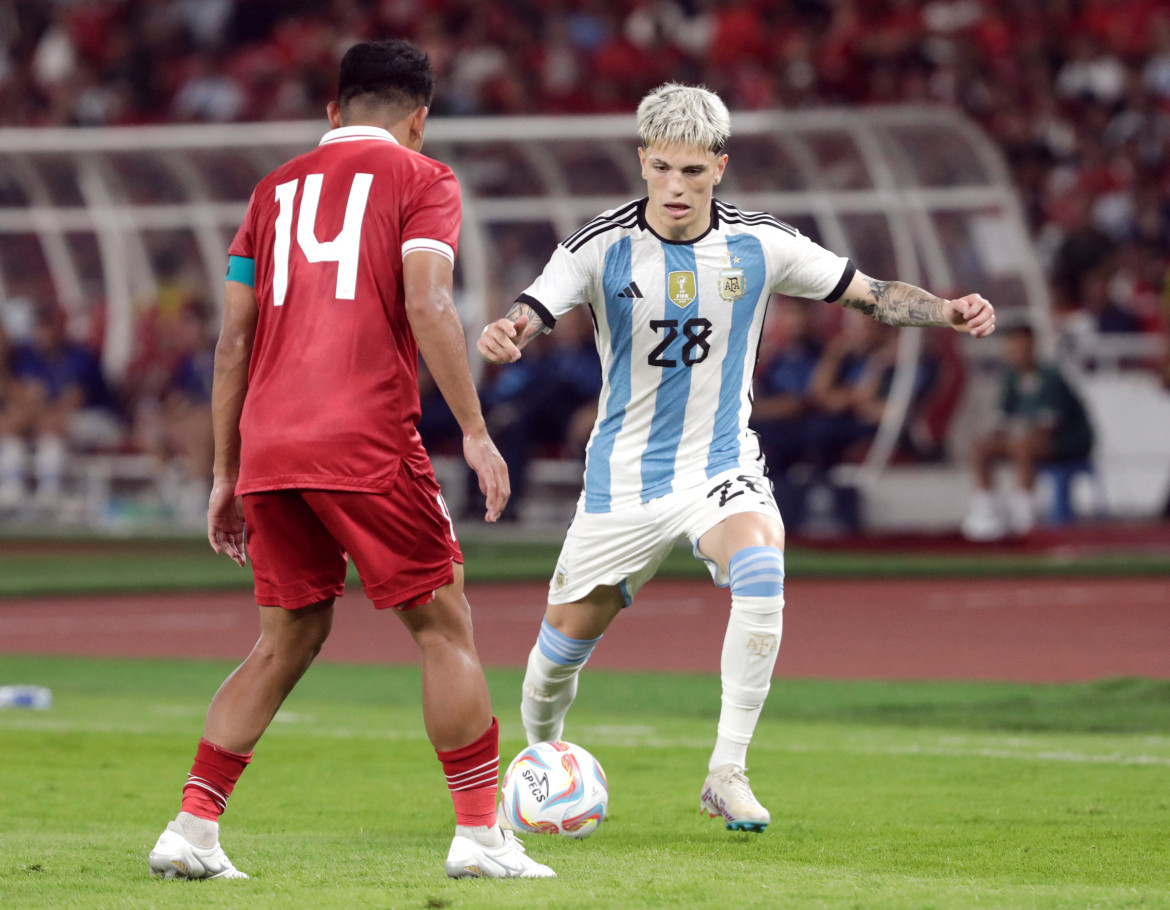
(332, 397)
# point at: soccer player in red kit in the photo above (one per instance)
(340, 275)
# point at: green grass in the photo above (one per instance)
(890, 795)
(106, 566)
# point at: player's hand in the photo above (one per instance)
(484, 458)
(225, 520)
(500, 342)
(971, 314)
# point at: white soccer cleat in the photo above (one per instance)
(727, 795)
(176, 857)
(468, 858)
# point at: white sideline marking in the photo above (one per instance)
(1012, 748)
(1047, 755)
(292, 717)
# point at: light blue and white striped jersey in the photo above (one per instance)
(677, 325)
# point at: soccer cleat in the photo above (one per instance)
(726, 795)
(468, 858)
(176, 857)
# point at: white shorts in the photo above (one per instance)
(626, 547)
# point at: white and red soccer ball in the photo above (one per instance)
(554, 788)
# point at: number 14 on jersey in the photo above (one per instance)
(342, 249)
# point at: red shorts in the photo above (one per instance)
(402, 543)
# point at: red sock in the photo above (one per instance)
(212, 779)
(472, 775)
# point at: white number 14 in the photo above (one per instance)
(342, 249)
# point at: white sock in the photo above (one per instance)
(484, 835)
(750, 647)
(550, 682)
(202, 832)
(548, 691)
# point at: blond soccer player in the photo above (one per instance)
(678, 283)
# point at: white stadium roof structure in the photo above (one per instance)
(919, 194)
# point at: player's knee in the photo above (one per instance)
(286, 654)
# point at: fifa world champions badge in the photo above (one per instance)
(731, 284)
(680, 288)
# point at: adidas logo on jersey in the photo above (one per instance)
(631, 291)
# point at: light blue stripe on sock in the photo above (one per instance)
(757, 572)
(561, 649)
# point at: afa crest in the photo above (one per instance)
(680, 288)
(731, 284)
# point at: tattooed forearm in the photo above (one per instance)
(898, 303)
(535, 323)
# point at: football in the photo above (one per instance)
(554, 788)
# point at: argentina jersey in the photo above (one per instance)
(677, 326)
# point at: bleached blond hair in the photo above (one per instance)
(676, 114)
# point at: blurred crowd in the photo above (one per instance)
(55, 400)
(1075, 92)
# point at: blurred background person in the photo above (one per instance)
(849, 388)
(57, 396)
(784, 407)
(1041, 421)
(545, 403)
(172, 414)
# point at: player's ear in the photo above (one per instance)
(720, 164)
(333, 112)
(417, 124)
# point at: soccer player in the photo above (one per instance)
(677, 283)
(339, 276)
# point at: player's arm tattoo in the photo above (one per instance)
(898, 303)
(535, 323)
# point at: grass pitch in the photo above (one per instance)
(891, 795)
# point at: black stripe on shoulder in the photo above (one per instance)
(618, 214)
(846, 277)
(735, 216)
(572, 245)
(541, 310)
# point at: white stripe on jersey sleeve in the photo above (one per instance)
(568, 280)
(801, 268)
(423, 245)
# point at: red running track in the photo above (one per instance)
(1030, 630)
